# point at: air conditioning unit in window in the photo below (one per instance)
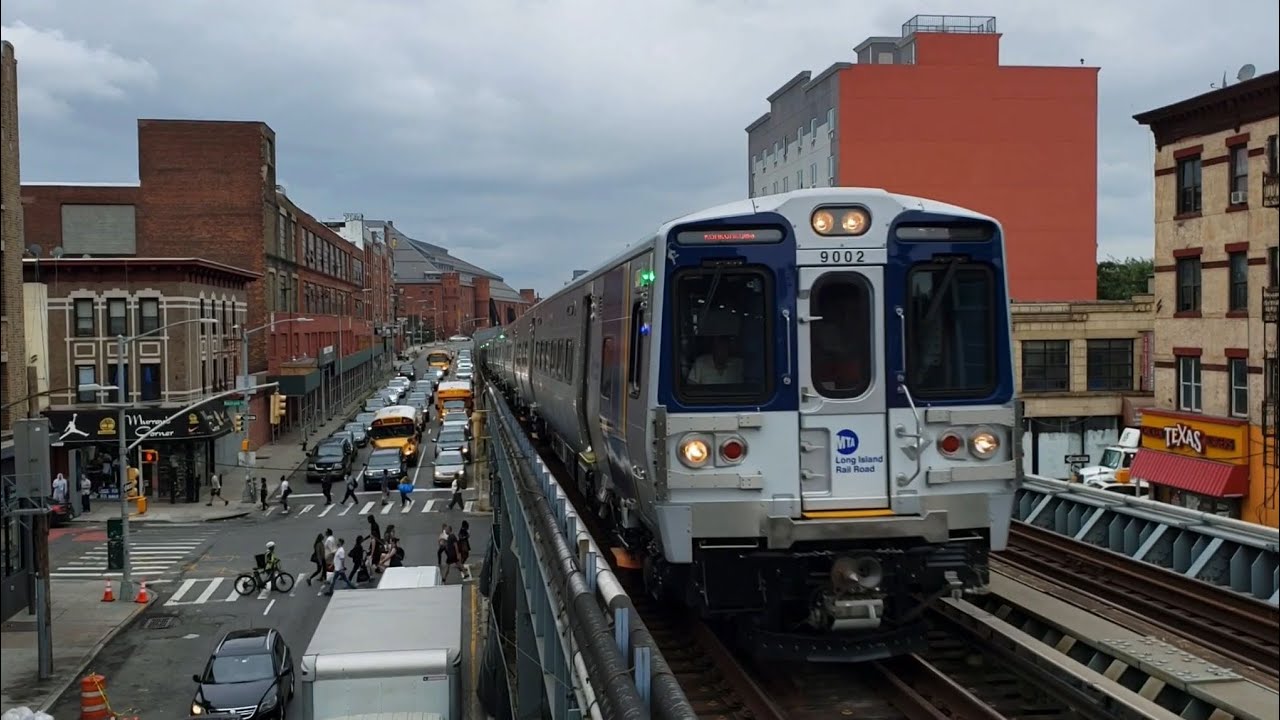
(1239, 197)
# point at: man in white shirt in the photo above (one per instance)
(340, 568)
(717, 367)
(330, 547)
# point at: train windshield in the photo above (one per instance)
(840, 345)
(722, 335)
(951, 330)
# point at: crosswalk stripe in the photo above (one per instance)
(469, 507)
(269, 511)
(346, 509)
(387, 508)
(365, 510)
(408, 508)
(306, 509)
(426, 506)
(327, 509)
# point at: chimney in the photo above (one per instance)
(528, 295)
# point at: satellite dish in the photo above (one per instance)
(58, 252)
(1246, 72)
(35, 249)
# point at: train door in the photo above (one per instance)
(842, 389)
(592, 360)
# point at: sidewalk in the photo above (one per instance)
(285, 452)
(82, 625)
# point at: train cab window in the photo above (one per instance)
(951, 330)
(722, 337)
(841, 342)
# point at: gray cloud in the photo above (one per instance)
(534, 138)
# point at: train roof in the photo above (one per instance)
(776, 203)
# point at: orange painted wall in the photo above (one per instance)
(1018, 143)
(1260, 505)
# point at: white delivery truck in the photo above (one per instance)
(385, 651)
(409, 576)
(1112, 470)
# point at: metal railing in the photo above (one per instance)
(957, 24)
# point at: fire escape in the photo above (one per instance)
(1270, 333)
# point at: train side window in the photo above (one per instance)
(572, 371)
(637, 344)
(606, 374)
(841, 343)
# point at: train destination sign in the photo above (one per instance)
(720, 236)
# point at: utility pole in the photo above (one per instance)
(122, 365)
(31, 440)
(245, 413)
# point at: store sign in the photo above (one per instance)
(1222, 440)
(102, 424)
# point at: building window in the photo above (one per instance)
(1189, 185)
(799, 179)
(1273, 266)
(1238, 372)
(1110, 365)
(831, 119)
(1188, 284)
(117, 317)
(813, 174)
(786, 182)
(151, 381)
(86, 375)
(1046, 365)
(148, 315)
(118, 377)
(831, 167)
(204, 327)
(1239, 287)
(84, 318)
(1239, 175)
(204, 376)
(1189, 389)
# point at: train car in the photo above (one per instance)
(795, 412)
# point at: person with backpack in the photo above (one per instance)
(351, 493)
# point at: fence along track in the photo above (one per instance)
(1227, 623)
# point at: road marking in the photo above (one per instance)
(426, 505)
(182, 590)
(469, 507)
(305, 509)
(269, 511)
(263, 595)
(346, 509)
(208, 592)
(273, 602)
(365, 510)
(387, 508)
(327, 509)
(404, 510)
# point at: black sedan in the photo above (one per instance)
(329, 461)
(383, 465)
(250, 675)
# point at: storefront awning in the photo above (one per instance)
(1193, 475)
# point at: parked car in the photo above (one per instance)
(249, 675)
(449, 464)
(451, 439)
(390, 460)
(347, 435)
(359, 432)
(418, 400)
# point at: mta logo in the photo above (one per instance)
(846, 442)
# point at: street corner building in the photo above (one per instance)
(1211, 444)
(187, 310)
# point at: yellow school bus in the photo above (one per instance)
(397, 426)
(439, 359)
(454, 390)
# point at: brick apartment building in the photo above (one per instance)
(1212, 443)
(13, 366)
(933, 113)
(211, 186)
(438, 294)
(90, 302)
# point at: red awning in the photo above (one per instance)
(1202, 477)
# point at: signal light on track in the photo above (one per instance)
(733, 450)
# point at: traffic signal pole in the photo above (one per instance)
(245, 413)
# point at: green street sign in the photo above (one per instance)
(233, 403)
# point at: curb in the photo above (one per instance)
(142, 520)
(93, 655)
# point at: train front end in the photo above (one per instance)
(836, 408)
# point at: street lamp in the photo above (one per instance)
(246, 385)
(126, 581)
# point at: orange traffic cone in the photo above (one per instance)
(108, 595)
(143, 597)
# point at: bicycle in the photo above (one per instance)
(261, 578)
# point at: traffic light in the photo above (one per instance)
(237, 422)
(150, 456)
(277, 408)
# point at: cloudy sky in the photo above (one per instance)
(538, 136)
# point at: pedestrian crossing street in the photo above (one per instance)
(421, 502)
(155, 552)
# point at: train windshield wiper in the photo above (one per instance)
(943, 289)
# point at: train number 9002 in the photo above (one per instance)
(841, 257)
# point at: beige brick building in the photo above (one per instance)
(13, 366)
(1084, 373)
(1216, 268)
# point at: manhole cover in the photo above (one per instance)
(161, 623)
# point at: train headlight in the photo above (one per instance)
(983, 443)
(694, 452)
(846, 221)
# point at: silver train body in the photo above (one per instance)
(798, 410)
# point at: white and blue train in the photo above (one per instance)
(798, 410)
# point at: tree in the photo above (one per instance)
(1122, 279)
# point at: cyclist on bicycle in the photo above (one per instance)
(273, 560)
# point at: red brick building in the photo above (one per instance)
(208, 188)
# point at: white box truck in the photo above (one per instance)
(385, 651)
